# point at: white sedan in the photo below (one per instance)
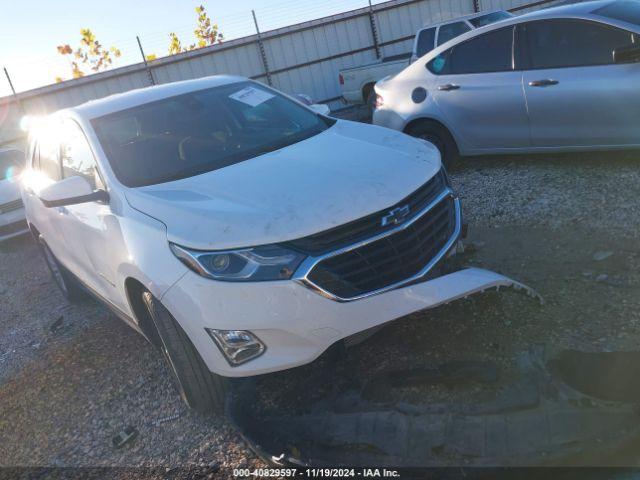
(559, 79)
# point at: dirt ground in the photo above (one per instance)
(72, 377)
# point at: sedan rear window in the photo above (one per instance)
(201, 131)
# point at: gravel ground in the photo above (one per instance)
(72, 377)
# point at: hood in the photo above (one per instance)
(346, 172)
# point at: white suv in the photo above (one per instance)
(237, 229)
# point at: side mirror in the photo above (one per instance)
(71, 191)
(626, 54)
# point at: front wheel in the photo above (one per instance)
(439, 136)
(68, 285)
(200, 389)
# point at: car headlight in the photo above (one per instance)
(270, 262)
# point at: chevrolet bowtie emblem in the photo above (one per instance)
(396, 216)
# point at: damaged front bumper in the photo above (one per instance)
(296, 324)
(549, 411)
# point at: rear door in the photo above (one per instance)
(576, 95)
(479, 94)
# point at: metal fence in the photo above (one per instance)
(301, 58)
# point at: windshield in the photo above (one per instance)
(201, 131)
(10, 162)
(489, 18)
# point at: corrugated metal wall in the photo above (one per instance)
(303, 58)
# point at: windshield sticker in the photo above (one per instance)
(252, 96)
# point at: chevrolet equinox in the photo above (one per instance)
(238, 230)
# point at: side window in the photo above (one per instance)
(440, 64)
(451, 30)
(425, 42)
(77, 158)
(570, 43)
(49, 153)
(489, 52)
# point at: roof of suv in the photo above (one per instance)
(140, 96)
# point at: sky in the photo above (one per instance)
(30, 30)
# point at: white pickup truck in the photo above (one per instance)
(357, 82)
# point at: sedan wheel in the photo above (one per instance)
(440, 137)
(68, 285)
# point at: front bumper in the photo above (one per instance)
(297, 324)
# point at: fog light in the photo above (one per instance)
(237, 346)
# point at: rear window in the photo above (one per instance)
(425, 42)
(451, 30)
(10, 162)
(624, 10)
(489, 18)
(201, 131)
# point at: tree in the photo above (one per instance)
(90, 54)
(206, 34)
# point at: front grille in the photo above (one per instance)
(11, 206)
(370, 225)
(389, 260)
(14, 227)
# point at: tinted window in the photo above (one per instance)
(201, 131)
(77, 158)
(426, 41)
(625, 10)
(489, 18)
(571, 43)
(48, 155)
(10, 162)
(451, 30)
(489, 52)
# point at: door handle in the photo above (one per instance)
(547, 82)
(448, 87)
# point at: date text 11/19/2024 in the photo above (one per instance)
(316, 472)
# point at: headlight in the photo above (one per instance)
(257, 264)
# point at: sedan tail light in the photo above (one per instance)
(341, 79)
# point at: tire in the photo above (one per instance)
(66, 282)
(371, 101)
(438, 135)
(199, 388)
